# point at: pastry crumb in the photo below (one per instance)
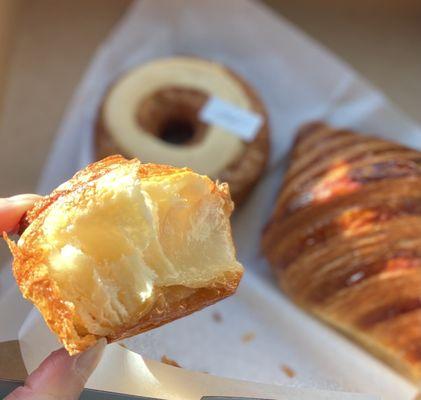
(217, 316)
(288, 371)
(248, 337)
(169, 361)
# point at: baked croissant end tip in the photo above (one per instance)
(123, 247)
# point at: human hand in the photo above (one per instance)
(12, 210)
(59, 376)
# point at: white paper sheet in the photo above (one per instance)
(150, 378)
(298, 81)
(136, 375)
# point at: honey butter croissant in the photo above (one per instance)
(123, 247)
(345, 239)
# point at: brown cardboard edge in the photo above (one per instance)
(11, 361)
(9, 14)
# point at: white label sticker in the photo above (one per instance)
(241, 122)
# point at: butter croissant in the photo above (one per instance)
(345, 239)
(123, 247)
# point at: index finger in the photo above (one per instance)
(13, 208)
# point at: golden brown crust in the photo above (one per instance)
(345, 239)
(242, 174)
(35, 283)
(167, 310)
(33, 278)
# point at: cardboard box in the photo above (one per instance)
(9, 10)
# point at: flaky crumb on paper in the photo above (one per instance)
(288, 371)
(248, 337)
(217, 316)
(169, 361)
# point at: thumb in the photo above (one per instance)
(60, 376)
(12, 209)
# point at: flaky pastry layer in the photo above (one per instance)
(123, 247)
(345, 239)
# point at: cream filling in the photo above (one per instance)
(110, 255)
(218, 149)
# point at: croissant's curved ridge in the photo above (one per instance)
(344, 239)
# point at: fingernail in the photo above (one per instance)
(23, 198)
(88, 360)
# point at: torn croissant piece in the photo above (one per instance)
(124, 247)
(345, 239)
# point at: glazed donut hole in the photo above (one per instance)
(172, 115)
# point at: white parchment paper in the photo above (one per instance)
(298, 81)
